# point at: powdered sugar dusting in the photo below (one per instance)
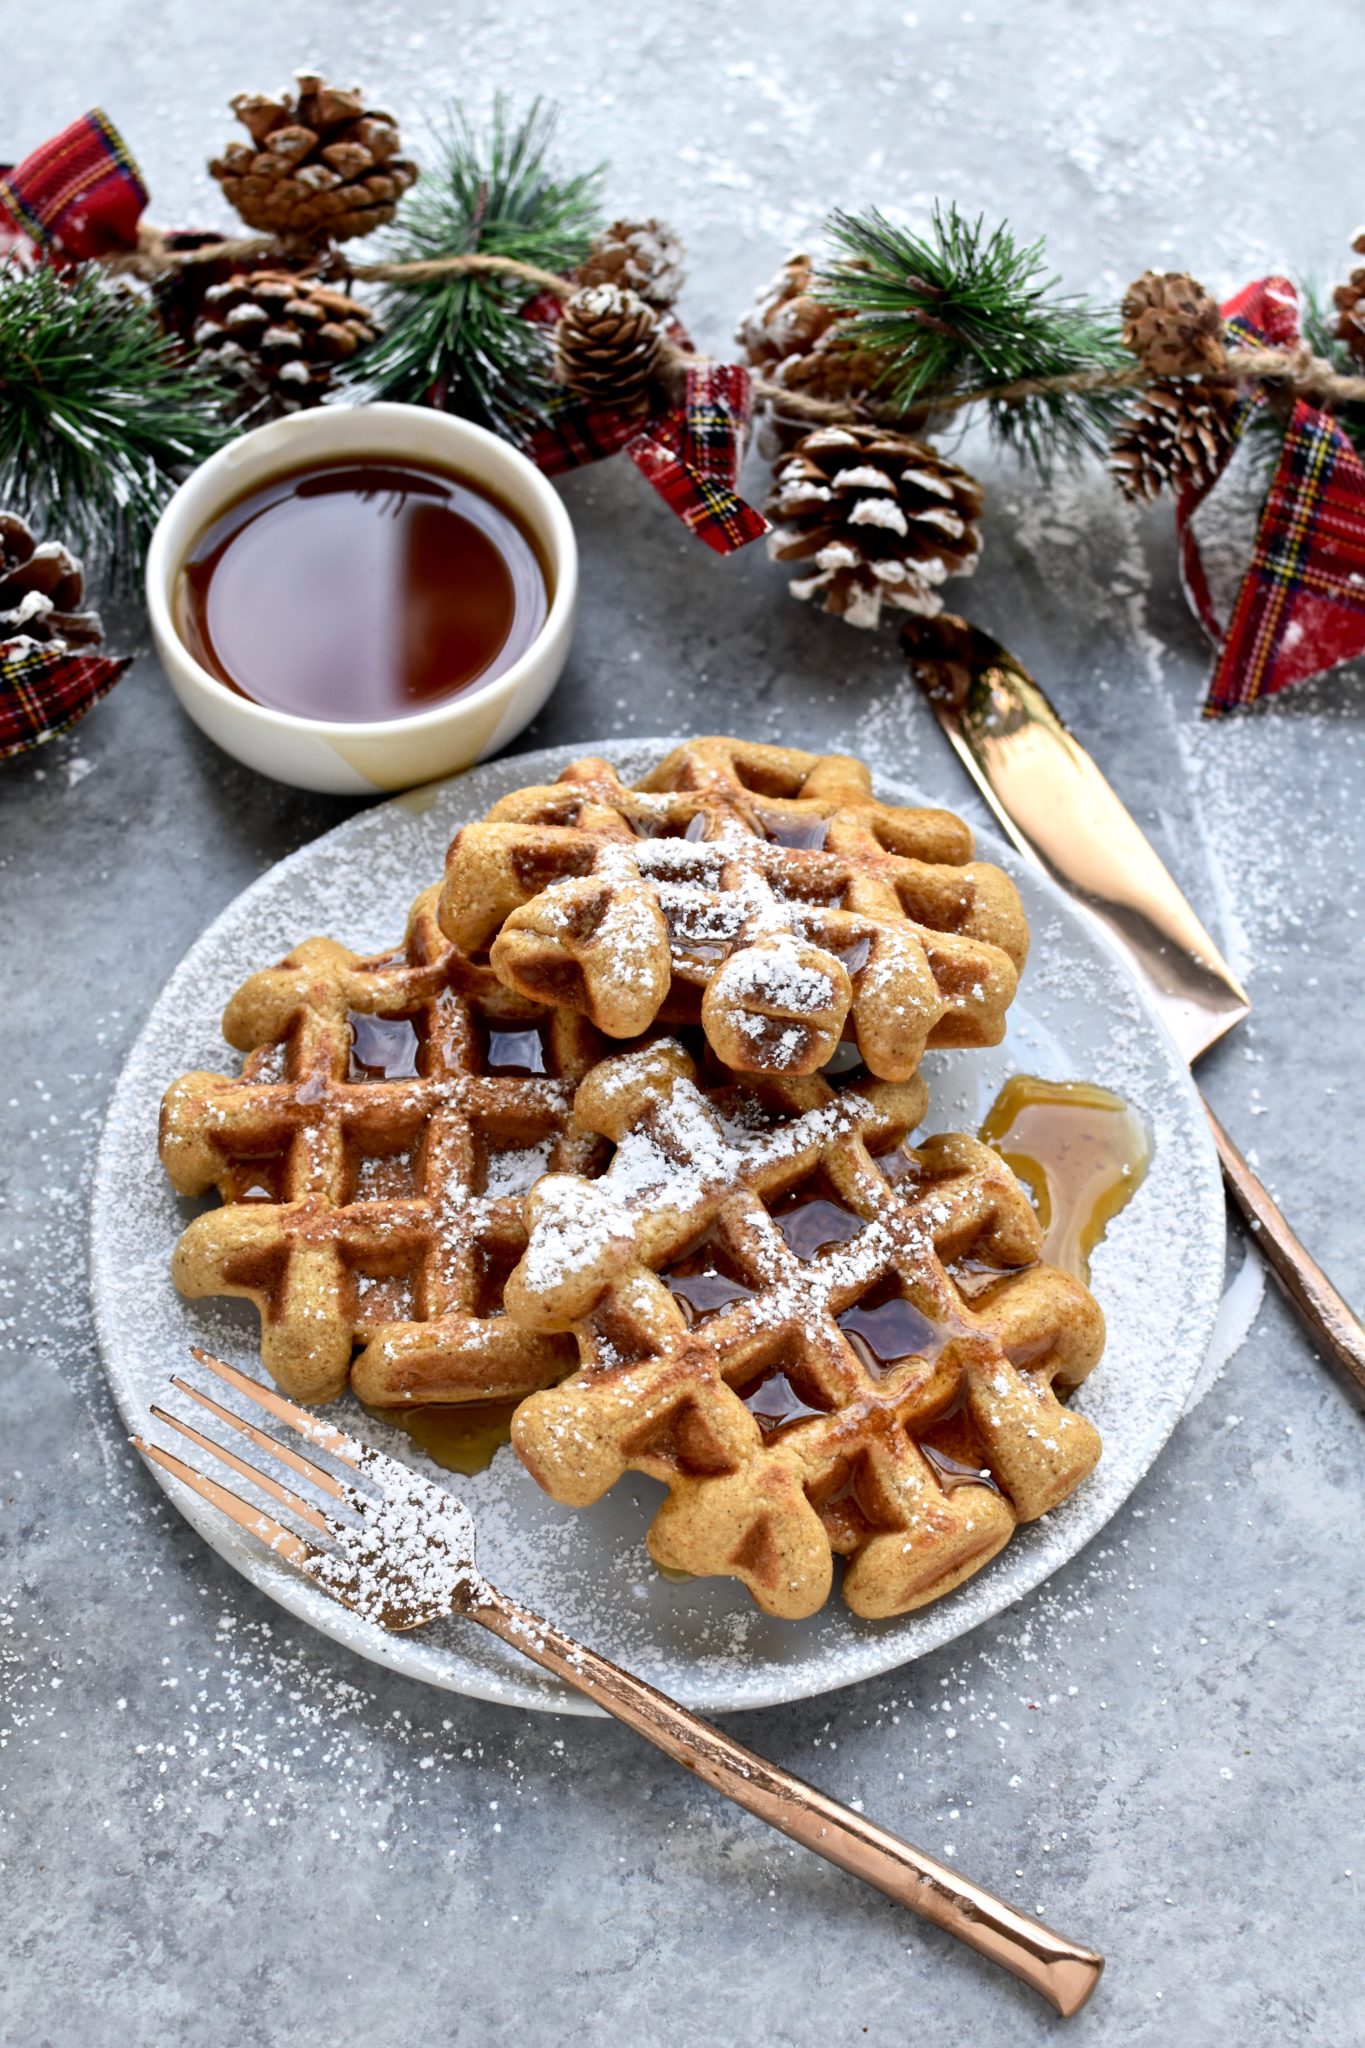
(405, 1549)
(671, 1161)
(1157, 1276)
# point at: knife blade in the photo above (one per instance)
(1057, 808)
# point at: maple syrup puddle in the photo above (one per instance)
(516, 1052)
(795, 832)
(382, 1048)
(703, 1281)
(459, 1438)
(1080, 1150)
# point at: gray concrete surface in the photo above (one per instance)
(221, 1832)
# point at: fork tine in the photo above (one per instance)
(283, 1542)
(324, 1434)
(285, 1495)
(296, 1461)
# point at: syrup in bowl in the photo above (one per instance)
(361, 589)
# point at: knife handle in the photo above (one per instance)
(1329, 1317)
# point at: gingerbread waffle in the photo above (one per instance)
(759, 890)
(372, 1158)
(818, 1344)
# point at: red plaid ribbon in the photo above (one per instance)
(43, 692)
(691, 455)
(79, 195)
(1300, 609)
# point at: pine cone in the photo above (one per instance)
(41, 588)
(799, 342)
(1177, 434)
(1172, 325)
(321, 167)
(645, 256)
(608, 347)
(1349, 300)
(882, 519)
(277, 338)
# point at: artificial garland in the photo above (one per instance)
(127, 354)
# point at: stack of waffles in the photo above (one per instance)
(623, 1133)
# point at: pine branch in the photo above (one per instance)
(99, 414)
(460, 339)
(958, 309)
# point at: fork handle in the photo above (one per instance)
(1064, 1973)
(1328, 1315)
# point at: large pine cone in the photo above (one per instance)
(41, 589)
(320, 167)
(608, 347)
(881, 519)
(1178, 434)
(644, 256)
(1172, 325)
(797, 341)
(277, 338)
(1349, 300)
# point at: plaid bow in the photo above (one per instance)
(44, 690)
(1300, 609)
(691, 454)
(78, 196)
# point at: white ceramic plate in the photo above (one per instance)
(1078, 1015)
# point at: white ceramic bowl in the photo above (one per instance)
(359, 759)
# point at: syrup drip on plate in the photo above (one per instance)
(461, 1437)
(1081, 1151)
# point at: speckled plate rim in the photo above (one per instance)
(1168, 1275)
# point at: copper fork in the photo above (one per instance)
(399, 1550)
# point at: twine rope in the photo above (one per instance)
(1296, 371)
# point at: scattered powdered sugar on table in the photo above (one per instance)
(1158, 1278)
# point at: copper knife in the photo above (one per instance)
(1057, 808)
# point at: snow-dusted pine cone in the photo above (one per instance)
(879, 518)
(644, 256)
(321, 166)
(1172, 325)
(41, 591)
(608, 346)
(797, 341)
(277, 338)
(1177, 434)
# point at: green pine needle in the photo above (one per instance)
(459, 341)
(99, 414)
(957, 309)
